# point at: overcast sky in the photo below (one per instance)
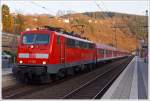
(51, 7)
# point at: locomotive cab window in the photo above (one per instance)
(42, 39)
(35, 39)
(28, 39)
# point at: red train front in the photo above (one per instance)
(45, 53)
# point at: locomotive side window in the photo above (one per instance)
(70, 42)
(77, 43)
(85, 45)
(58, 39)
(81, 44)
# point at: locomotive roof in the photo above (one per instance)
(59, 33)
(73, 37)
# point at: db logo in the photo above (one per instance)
(32, 55)
(32, 61)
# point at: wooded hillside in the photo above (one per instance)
(97, 26)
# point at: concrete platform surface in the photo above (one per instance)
(8, 80)
(132, 82)
(6, 71)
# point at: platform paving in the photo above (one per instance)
(132, 82)
(6, 71)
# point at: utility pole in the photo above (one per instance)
(115, 36)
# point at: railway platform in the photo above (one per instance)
(132, 82)
(6, 71)
(7, 77)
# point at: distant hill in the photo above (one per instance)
(136, 23)
(97, 26)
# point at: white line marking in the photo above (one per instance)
(109, 93)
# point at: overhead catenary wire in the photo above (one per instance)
(43, 7)
(113, 23)
(104, 15)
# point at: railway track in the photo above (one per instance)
(96, 87)
(28, 90)
(23, 89)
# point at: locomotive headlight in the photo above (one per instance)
(44, 62)
(20, 62)
(31, 46)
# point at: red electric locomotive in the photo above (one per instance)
(43, 54)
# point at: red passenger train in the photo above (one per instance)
(43, 54)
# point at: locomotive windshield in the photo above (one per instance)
(35, 38)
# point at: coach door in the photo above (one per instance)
(62, 50)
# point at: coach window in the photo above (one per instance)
(91, 46)
(99, 50)
(58, 40)
(106, 51)
(102, 51)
